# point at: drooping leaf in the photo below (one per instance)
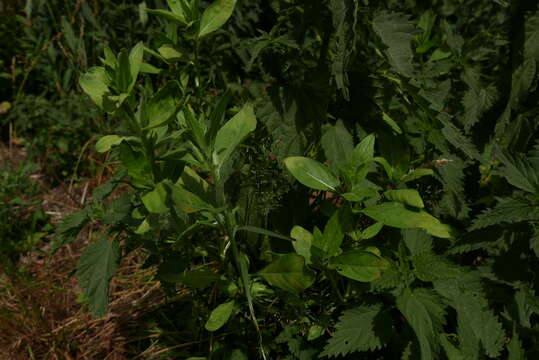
(288, 273)
(311, 173)
(303, 242)
(425, 313)
(399, 216)
(96, 267)
(215, 16)
(360, 265)
(363, 328)
(220, 315)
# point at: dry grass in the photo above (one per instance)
(41, 318)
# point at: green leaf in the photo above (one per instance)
(399, 216)
(396, 32)
(360, 265)
(478, 326)
(96, 267)
(357, 165)
(363, 328)
(289, 273)
(515, 349)
(168, 15)
(416, 174)
(406, 196)
(198, 279)
(371, 231)
(507, 210)
(155, 200)
(187, 201)
(329, 243)
(107, 142)
(425, 313)
(338, 144)
(392, 123)
(135, 63)
(170, 53)
(518, 170)
(94, 84)
(219, 316)
(215, 16)
(311, 173)
(163, 105)
(177, 7)
(232, 133)
(303, 242)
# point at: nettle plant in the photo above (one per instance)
(178, 155)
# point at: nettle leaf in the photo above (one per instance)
(507, 210)
(531, 45)
(96, 267)
(219, 316)
(519, 171)
(163, 105)
(215, 16)
(476, 103)
(363, 328)
(360, 265)
(289, 273)
(478, 326)
(232, 133)
(398, 215)
(406, 196)
(311, 173)
(425, 313)
(454, 136)
(94, 83)
(396, 32)
(337, 143)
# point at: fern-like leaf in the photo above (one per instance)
(507, 210)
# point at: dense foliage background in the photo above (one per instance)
(298, 179)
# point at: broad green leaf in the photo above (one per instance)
(303, 242)
(215, 16)
(219, 316)
(232, 133)
(163, 105)
(135, 63)
(406, 196)
(94, 84)
(187, 201)
(360, 265)
(338, 144)
(176, 7)
(416, 174)
(425, 313)
(107, 142)
(371, 231)
(363, 328)
(359, 194)
(398, 215)
(329, 243)
(155, 200)
(168, 15)
(170, 53)
(315, 332)
(311, 173)
(289, 273)
(96, 267)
